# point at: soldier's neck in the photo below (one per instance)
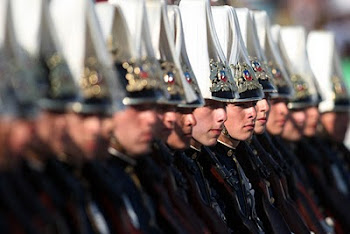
(195, 145)
(115, 144)
(229, 141)
(117, 150)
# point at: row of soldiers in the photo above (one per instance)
(134, 116)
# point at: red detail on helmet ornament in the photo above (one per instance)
(256, 66)
(247, 75)
(169, 78)
(222, 76)
(188, 77)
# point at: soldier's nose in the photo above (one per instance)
(190, 120)
(283, 109)
(93, 124)
(251, 111)
(169, 119)
(262, 106)
(150, 116)
(221, 114)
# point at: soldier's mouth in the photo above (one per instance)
(262, 120)
(216, 131)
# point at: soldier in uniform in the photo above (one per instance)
(280, 178)
(156, 210)
(327, 163)
(132, 132)
(246, 154)
(101, 207)
(22, 209)
(217, 87)
(57, 88)
(285, 92)
(179, 140)
(17, 121)
(334, 115)
(165, 50)
(241, 115)
(294, 39)
(180, 167)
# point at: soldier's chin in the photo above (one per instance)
(140, 150)
(275, 131)
(309, 132)
(180, 145)
(211, 142)
(90, 155)
(259, 129)
(292, 136)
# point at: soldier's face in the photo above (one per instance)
(44, 126)
(20, 134)
(312, 117)
(294, 127)
(181, 135)
(240, 121)
(166, 117)
(83, 132)
(336, 124)
(210, 122)
(50, 128)
(107, 128)
(262, 115)
(59, 129)
(277, 117)
(133, 128)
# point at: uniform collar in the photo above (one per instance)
(224, 149)
(112, 151)
(195, 149)
(227, 145)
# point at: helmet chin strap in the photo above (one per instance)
(228, 139)
(117, 150)
(225, 133)
(115, 144)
